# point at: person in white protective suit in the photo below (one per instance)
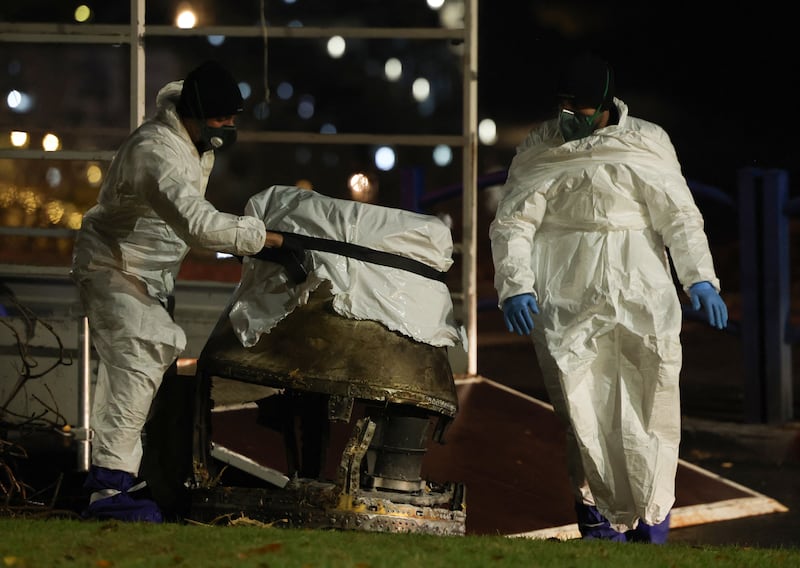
(150, 210)
(592, 202)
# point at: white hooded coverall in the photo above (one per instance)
(150, 210)
(583, 225)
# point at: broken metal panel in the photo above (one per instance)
(315, 349)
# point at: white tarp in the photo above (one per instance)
(403, 301)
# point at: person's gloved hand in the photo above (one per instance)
(517, 313)
(291, 255)
(704, 295)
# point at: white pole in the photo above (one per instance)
(83, 434)
(470, 182)
(137, 63)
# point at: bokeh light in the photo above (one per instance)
(393, 69)
(442, 155)
(245, 89)
(384, 158)
(94, 175)
(186, 19)
(487, 131)
(361, 187)
(305, 108)
(53, 177)
(82, 13)
(54, 211)
(50, 142)
(336, 47)
(421, 89)
(19, 139)
(285, 90)
(19, 101)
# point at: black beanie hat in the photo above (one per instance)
(587, 80)
(210, 91)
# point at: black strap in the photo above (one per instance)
(370, 255)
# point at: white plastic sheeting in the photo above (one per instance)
(403, 301)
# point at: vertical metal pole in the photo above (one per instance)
(83, 434)
(750, 265)
(470, 181)
(776, 278)
(137, 63)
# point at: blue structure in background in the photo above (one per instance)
(767, 332)
(765, 327)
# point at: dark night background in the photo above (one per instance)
(718, 77)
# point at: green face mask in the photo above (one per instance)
(574, 125)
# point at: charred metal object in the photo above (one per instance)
(355, 406)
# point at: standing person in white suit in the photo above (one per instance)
(150, 210)
(593, 201)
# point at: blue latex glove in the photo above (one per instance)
(517, 313)
(703, 294)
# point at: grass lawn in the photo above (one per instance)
(52, 542)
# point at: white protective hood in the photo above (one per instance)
(416, 306)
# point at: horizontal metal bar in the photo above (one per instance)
(36, 232)
(63, 38)
(342, 138)
(121, 33)
(309, 32)
(99, 155)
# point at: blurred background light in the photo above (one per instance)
(336, 47)
(451, 14)
(18, 101)
(83, 13)
(421, 89)
(305, 108)
(285, 90)
(487, 131)
(384, 158)
(216, 40)
(186, 19)
(94, 174)
(393, 69)
(361, 187)
(53, 177)
(442, 155)
(19, 139)
(50, 142)
(245, 89)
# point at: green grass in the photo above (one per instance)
(26, 542)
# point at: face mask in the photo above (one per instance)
(218, 138)
(574, 125)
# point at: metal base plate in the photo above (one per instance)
(319, 505)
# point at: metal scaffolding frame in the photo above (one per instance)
(135, 33)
